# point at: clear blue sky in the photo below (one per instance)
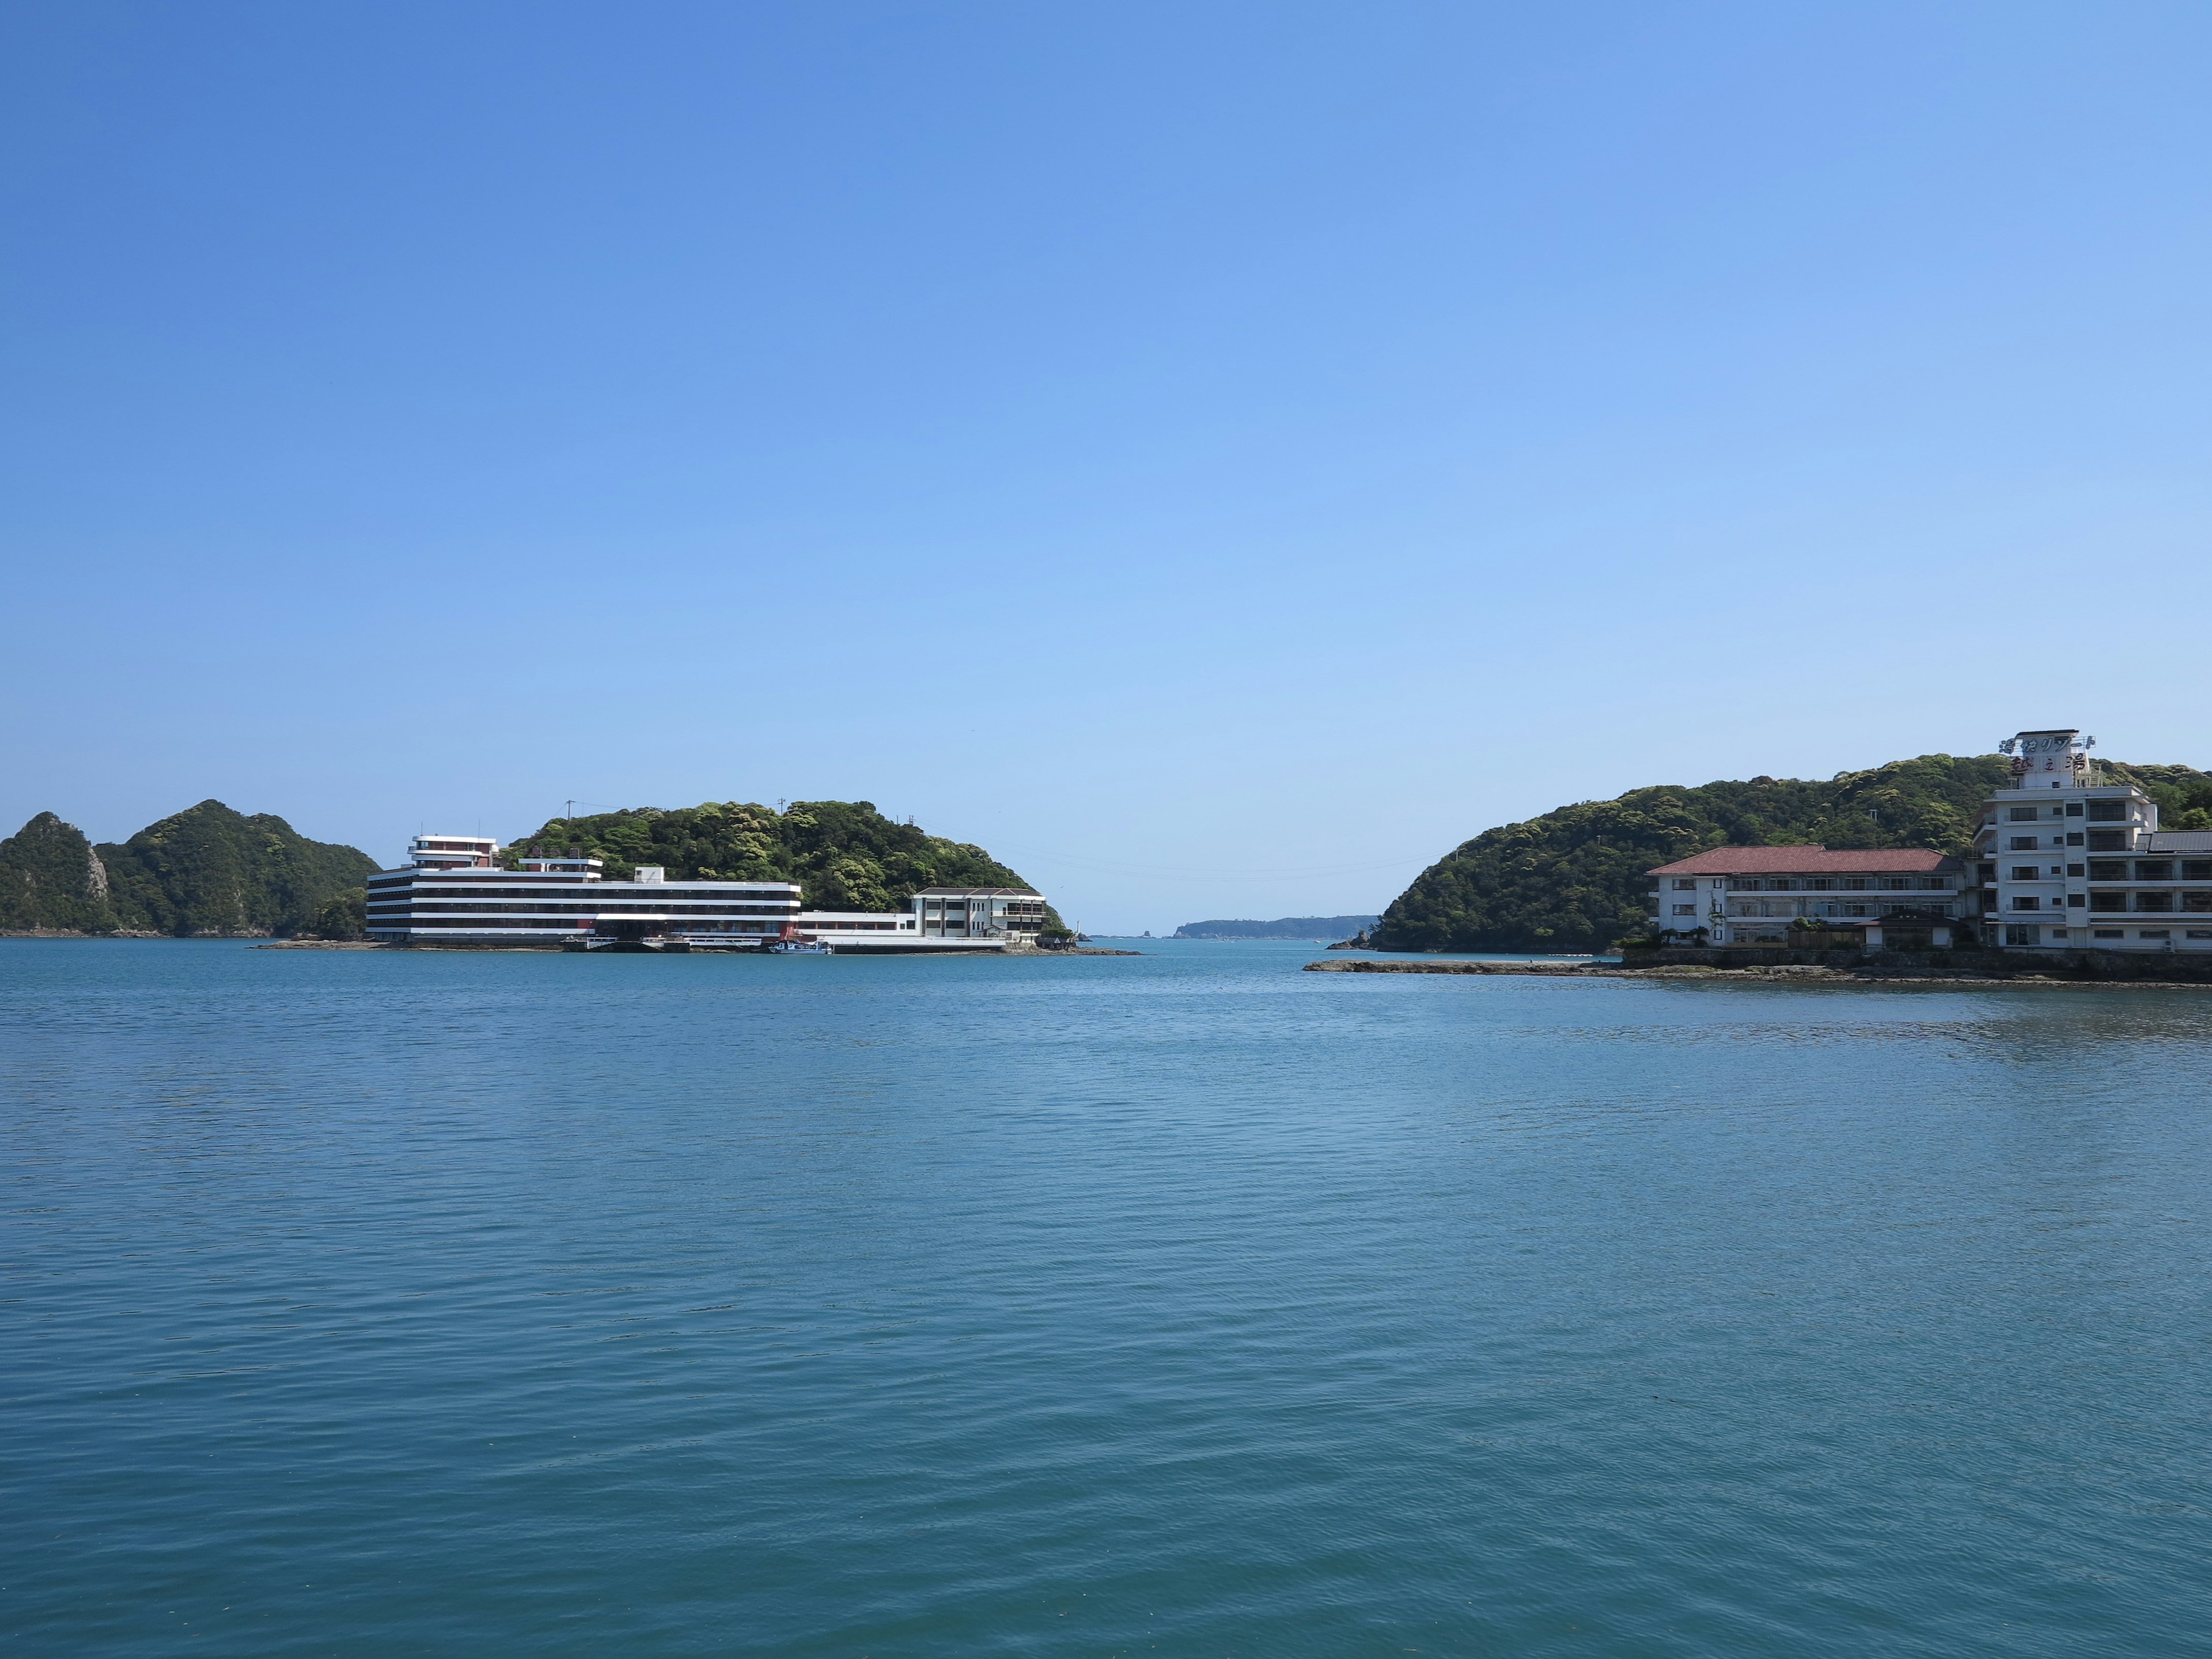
(1218, 457)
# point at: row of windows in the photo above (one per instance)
(568, 889)
(2098, 841)
(2064, 935)
(2120, 901)
(385, 910)
(2116, 870)
(380, 924)
(1758, 908)
(2151, 870)
(522, 924)
(1833, 884)
(2100, 812)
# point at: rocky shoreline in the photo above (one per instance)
(1787, 973)
(118, 932)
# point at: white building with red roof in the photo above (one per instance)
(1752, 895)
(2066, 857)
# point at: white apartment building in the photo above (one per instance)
(2068, 859)
(935, 919)
(993, 913)
(1751, 895)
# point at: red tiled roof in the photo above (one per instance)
(1806, 861)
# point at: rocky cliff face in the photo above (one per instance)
(51, 880)
(204, 871)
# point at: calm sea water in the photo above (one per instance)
(382, 1302)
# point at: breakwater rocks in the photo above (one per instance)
(2149, 970)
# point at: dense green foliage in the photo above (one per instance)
(343, 916)
(49, 878)
(1328, 928)
(1574, 878)
(206, 870)
(2184, 794)
(845, 855)
(211, 870)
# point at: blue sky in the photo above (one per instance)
(1218, 458)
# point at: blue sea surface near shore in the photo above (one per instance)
(382, 1302)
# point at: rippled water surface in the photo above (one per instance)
(395, 1303)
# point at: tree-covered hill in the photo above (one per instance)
(845, 855)
(1574, 878)
(208, 870)
(211, 870)
(49, 878)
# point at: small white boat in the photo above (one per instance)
(801, 947)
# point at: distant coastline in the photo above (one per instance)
(1319, 928)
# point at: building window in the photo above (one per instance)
(2072, 809)
(2076, 870)
(2199, 932)
(2072, 837)
(1686, 884)
(2025, 902)
(2158, 870)
(2108, 812)
(2196, 900)
(1819, 884)
(2026, 871)
(2021, 844)
(2058, 933)
(2110, 932)
(2014, 935)
(2153, 900)
(1896, 884)
(1686, 909)
(2154, 932)
(1855, 883)
(2075, 901)
(2108, 900)
(2108, 869)
(2023, 814)
(2107, 841)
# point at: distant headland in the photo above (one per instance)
(1308, 927)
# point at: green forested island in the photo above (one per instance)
(844, 855)
(1574, 878)
(208, 870)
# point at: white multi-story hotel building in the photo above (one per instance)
(1752, 895)
(2069, 860)
(453, 890)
